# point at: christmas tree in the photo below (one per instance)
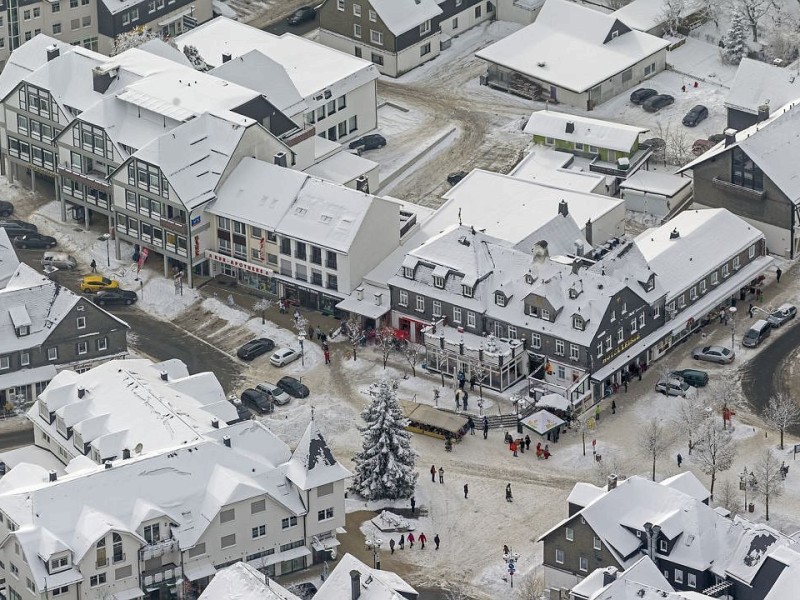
(735, 41)
(385, 465)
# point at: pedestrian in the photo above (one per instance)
(509, 497)
(327, 357)
(513, 447)
(778, 274)
(527, 442)
(422, 539)
(466, 491)
(411, 540)
(458, 399)
(485, 428)
(441, 474)
(639, 367)
(750, 310)
(296, 316)
(614, 403)
(319, 333)
(473, 380)
(680, 460)
(471, 425)
(594, 446)
(436, 540)
(683, 88)
(94, 267)
(433, 473)
(597, 412)
(413, 505)
(402, 542)
(311, 332)
(391, 546)
(696, 84)
(506, 551)
(464, 399)
(625, 383)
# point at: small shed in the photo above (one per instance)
(431, 421)
(657, 194)
(542, 422)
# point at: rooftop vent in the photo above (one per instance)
(52, 52)
(463, 241)
(360, 293)
(563, 208)
(164, 376)
(279, 159)
(81, 392)
(362, 184)
(226, 439)
(674, 234)
(107, 464)
(541, 64)
(226, 56)
(355, 585)
(763, 112)
(730, 136)
(570, 127)
(126, 454)
(215, 423)
(378, 298)
(52, 475)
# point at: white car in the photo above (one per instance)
(675, 386)
(274, 393)
(283, 356)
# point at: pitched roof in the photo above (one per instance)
(8, 258)
(400, 16)
(242, 581)
(593, 132)
(645, 15)
(26, 59)
(538, 49)
(312, 463)
(375, 584)
(688, 483)
(758, 83)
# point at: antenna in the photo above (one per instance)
(459, 217)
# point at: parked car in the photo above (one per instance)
(368, 142)
(117, 296)
(715, 354)
(455, 177)
(59, 260)
(255, 348)
(674, 386)
(697, 114)
(656, 103)
(274, 393)
(757, 333)
(6, 208)
(642, 94)
(35, 240)
(302, 15)
(694, 377)
(95, 283)
(283, 356)
(784, 313)
(257, 401)
(293, 387)
(15, 228)
(242, 413)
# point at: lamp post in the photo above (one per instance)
(743, 484)
(106, 237)
(301, 338)
(732, 311)
(374, 544)
(515, 399)
(511, 559)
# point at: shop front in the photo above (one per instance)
(313, 298)
(251, 276)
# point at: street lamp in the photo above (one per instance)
(516, 399)
(301, 338)
(106, 237)
(743, 484)
(375, 543)
(732, 310)
(511, 559)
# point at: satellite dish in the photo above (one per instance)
(138, 448)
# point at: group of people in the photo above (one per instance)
(421, 538)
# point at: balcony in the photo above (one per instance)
(163, 575)
(727, 186)
(159, 548)
(174, 225)
(93, 179)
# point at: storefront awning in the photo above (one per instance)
(27, 377)
(326, 544)
(199, 570)
(274, 559)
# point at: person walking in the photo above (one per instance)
(402, 542)
(485, 428)
(509, 497)
(327, 354)
(93, 264)
(466, 491)
(458, 399)
(296, 316)
(410, 540)
(433, 473)
(319, 333)
(441, 474)
(422, 539)
(473, 380)
(513, 447)
(391, 546)
(614, 403)
(778, 274)
(436, 540)
(464, 399)
(413, 505)
(750, 310)
(527, 442)
(624, 383)
(597, 412)
(471, 425)
(310, 332)
(680, 460)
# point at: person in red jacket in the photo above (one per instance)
(422, 539)
(411, 539)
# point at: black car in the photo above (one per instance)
(15, 228)
(257, 401)
(302, 15)
(368, 142)
(117, 296)
(694, 116)
(293, 387)
(455, 177)
(656, 103)
(255, 348)
(6, 209)
(35, 240)
(642, 94)
(242, 413)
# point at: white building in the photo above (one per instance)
(127, 407)
(557, 168)
(353, 580)
(656, 193)
(242, 581)
(154, 523)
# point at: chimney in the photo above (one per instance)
(570, 127)
(355, 585)
(609, 575)
(362, 184)
(730, 136)
(578, 248)
(360, 293)
(763, 112)
(107, 464)
(226, 439)
(52, 52)
(280, 159)
(674, 234)
(164, 376)
(612, 481)
(102, 78)
(53, 475)
(226, 56)
(588, 234)
(215, 423)
(378, 298)
(562, 208)
(126, 454)
(81, 392)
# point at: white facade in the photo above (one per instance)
(523, 12)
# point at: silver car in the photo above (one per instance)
(274, 393)
(715, 354)
(784, 313)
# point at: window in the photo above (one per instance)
(98, 579)
(376, 37)
(500, 299)
(197, 550)
(570, 534)
(325, 490)
(577, 322)
(574, 352)
(340, 5)
(356, 30)
(560, 347)
(608, 343)
(578, 146)
(100, 554)
(226, 541)
(437, 308)
(456, 314)
(258, 506)
(478, 12)
(26, 15)
(633, 326)
(257, 532)
(402, 299)
(116, 548)
(620, 335)
(596, 543)
(751, 252)
(470, 319)
(324, 515)
(152, 533)
(678, 576)
(691, 580)
(30, 585)
(649, 69)
(55, 7)
(714, 278)
(4, 363)
(549, 141)
(300, 250)
(330, 260)
(288, 522)
(52, 354)
(56, 28)
(225, 516)
(352, 123)
(545, 314)
(14, 570)
(123, 572)
(356, 10)
(81, 348)
(725, 271)
(536, 340)
(425, 28)
(151, 6)
(583, 563)
(377, 59)
(60, 590)
(81, 322)
(662, 545)
(438, 281)
(373, 16)
(735, 263)
(600, 350)
(559, 556)
(744, 172)
(467, 291)
(420, 303)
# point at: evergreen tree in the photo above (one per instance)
(197, 61)
(132, 39)
(735, 41)
(385, 465)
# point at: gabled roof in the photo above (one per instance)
(785, 588)
(242, 581)
(591, 132)
(8, 258)
(688, 483)
(645, 15)
(400, 16)
(538, 49)
(375, 584)
(68, 78)
(26, 59)
(312, 463)
(758, 83)
(643, 574)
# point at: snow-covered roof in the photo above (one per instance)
(542, 421)
(341, 168)
(706, 239)
(312, 67)
(517, 207)
(785, 587)
(162, 49)
(126, 404)
(688, 483)
(313, 463)
(242, 581)
(642, 574)
(26, 59)
(645, 15)
(757, 542)
(8, 258)
(583, 494)
(68, 78)
(194, 156)
(552, 167)
(758, 83)
(593, 57)
(591, 132)
(401, 16)
(375, 584)
(656, 182)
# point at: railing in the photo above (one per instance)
(173, 225)
(738, 189)
(92, 179)
(159, 548)
(164, 574)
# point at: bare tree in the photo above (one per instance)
(677, 144)
(653, 440)
(671, 15)
(728, 497)
(354, 330)
(768, 478)
(481, 372)
(613, 463)
(689, 419)
(530, 588)
(386, 342)
(715, 451)
(262, 306)
(616, 4)
(725, 395)
(457, 592)
(753, 11)
(782, 413)
(581, 427)
(412, 354)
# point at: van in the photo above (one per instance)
(59, 260)
(756, 334)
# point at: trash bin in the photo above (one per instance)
(751, 507)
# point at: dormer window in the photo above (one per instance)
(533, 311)
(578, 322)
(438, 281)
(500, 299)
(613, 316)
(545, 314)
(408, 272)
(23, 331)
(467, 290)
(59, 563)
(528, 278)
(662, 546)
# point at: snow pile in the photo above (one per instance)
(389, 521)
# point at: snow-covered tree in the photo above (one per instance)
(782, 413)
(412, 354)
(354, 330)
(386, 342)
(262, 306)
(714, 450)
(132, 39)
(671, 13)
(689, 419)
(653, 440)
(728, 497)
(725, 395)
(735, 40)
(768, 478)
(385, 466)
(752, 11)
(197, 61)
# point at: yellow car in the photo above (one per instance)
(95, 283)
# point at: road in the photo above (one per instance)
(16, 438)
(280, 26)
